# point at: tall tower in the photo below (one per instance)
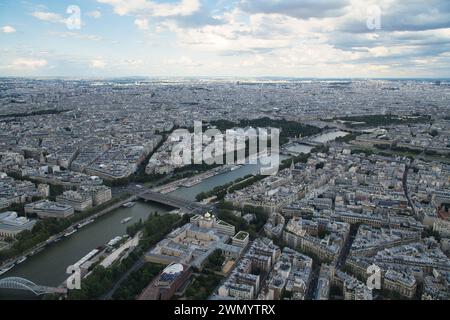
(291, 168)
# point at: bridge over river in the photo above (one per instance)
(171, 201)
(16, 283)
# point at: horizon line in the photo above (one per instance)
(237, 78)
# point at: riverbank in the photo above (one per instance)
(58, 236)
(48, 266)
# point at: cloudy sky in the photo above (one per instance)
(292, 38)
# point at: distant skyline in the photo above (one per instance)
(240, 38)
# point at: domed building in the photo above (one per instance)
(170, 273)
(164, 286)
(207, 221)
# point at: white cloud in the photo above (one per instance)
(76, 35)
(131, 62)
(259, 32)
(183, 61)
(8, 29)
(98, 64)
(379, 51)
(48, 16)
(94, 14)
(304, 9)
(273, 37)
(26, 63)
(181, 8)
(142, 24)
